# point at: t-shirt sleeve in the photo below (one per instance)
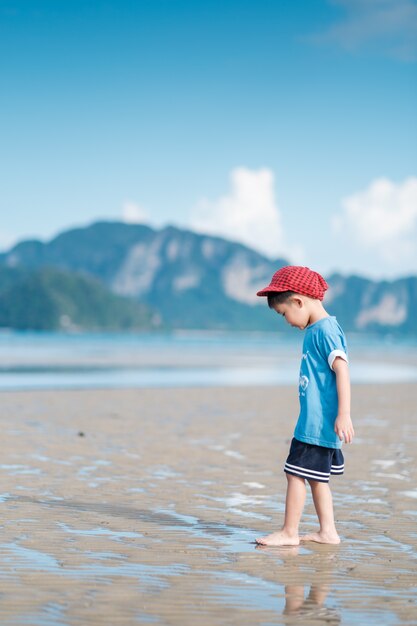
(333, 345)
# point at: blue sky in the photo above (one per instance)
(290, 126)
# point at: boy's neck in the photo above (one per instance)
(317, 312)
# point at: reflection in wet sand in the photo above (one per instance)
(308, 602)
(310, 609)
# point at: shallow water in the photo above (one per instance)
(86, 361)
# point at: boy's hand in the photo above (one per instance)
(343, 427)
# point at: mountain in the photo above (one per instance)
(49, 299)
(188, 280)
(361, 304)
(192, 280)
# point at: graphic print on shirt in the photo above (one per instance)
(303, 382)
(303, 385)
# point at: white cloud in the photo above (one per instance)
(248, 213)
(7, 241)
(133, 213)
(383, 220)
(390, 26)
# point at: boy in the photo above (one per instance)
(296, 293)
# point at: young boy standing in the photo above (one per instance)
(324, 421)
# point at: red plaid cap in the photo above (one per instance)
(299, 279)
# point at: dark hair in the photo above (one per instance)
(278, 297)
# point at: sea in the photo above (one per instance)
(41, 360)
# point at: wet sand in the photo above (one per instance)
(141, 507)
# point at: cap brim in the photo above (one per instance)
(269, 289)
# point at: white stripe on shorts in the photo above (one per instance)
(337, 469)
(306, 473)
(302, 474)
(297, 467)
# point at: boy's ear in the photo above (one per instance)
(297, 301)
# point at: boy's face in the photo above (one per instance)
(295, 312)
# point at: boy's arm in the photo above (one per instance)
(343, 425)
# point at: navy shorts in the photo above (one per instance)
(314, 462)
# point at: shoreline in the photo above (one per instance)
(180, 377)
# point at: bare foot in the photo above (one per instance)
(322, 537)
(279, 539)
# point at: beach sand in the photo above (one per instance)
(142, 506)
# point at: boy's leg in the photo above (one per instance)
(323, 502)
(294, 504)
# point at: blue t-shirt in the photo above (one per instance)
(323, 342)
